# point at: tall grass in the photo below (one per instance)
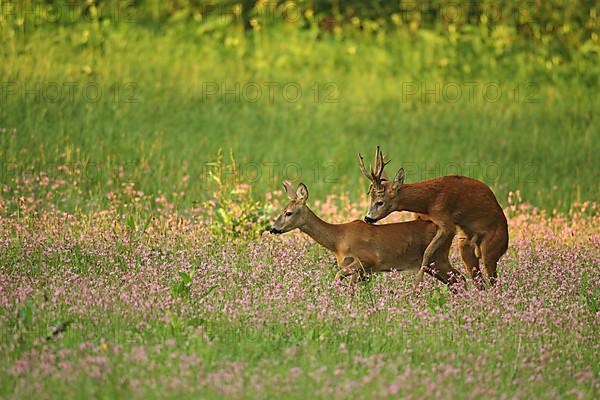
(95, 305)
(107, 290)
(157, 123)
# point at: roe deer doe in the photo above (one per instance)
(362, 248)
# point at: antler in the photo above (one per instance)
(379, 164)
(374, 174)
(361, 164)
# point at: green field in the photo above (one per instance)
(155, 103)
(141, 161)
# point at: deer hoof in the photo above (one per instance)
(416, 287)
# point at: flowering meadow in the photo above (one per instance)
(135, 258)
(137, 299)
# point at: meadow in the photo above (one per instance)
(99, 306)
(141, 164)
(152, 106)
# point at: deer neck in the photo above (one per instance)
(414, 197)
(326, 234)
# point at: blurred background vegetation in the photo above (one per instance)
(113, 93)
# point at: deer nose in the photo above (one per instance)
(274, 231)
(369, 220)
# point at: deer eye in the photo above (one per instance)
(288, 214)
(379, 203)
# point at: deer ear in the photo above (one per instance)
(287, 186)
(399, 179)
(302, 192)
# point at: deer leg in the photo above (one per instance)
(493, 247)
(468, 252)
(356, 276)
(350, 266)
(436, 274)
(475, 244)
(442, 269)
(349, 271)
(341, 274)
(441, 237)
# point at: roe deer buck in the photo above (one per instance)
(453, 203)
(364, 248)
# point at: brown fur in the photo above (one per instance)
(453, 203)
(361, 248)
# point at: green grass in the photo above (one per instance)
(263, 318)
(547, 149)
(137, 277)
(261, 311)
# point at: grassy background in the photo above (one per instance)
(156, 303)
(540, 137)
(167, 313)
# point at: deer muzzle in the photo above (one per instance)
(370, 220)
